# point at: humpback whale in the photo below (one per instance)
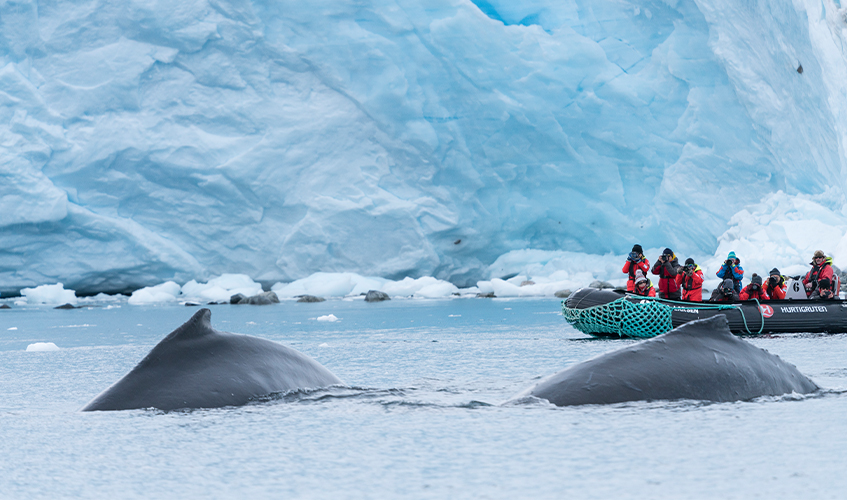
(196, 366)
(699, 360)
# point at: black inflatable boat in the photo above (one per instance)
(606, 313)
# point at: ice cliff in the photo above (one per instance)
(145, 141)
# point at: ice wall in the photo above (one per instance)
(148, 141)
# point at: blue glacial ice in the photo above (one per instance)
(146, 142)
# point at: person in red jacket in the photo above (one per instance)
(775, 286)
(667, 267)
(754, 290)
(643, 287)
(635, 262)
(821, 274)
(690, 280)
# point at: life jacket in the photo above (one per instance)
(688, 281)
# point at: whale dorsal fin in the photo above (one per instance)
(198, 326)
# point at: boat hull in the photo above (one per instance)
(745, 318)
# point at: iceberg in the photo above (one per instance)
(148, 142)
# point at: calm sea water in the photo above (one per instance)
(422, 416)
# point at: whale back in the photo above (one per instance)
(196, 366)
(700, 360)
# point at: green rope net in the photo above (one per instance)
(648, 318)
(622, 317)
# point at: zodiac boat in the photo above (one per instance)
(607, 313)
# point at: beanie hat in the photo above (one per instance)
(639, 277)
(637, 249)
(824, 284)
(775, 272)
(731, 255)
(756, 280)
(667, 251)
(690, 261)
(728, 284)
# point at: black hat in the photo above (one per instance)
(690, 261)
(638, 249)
(756, 279)
(824, 284)
(774, 272)
(667, 251)
(727, 287)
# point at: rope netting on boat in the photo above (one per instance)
(648, 318)
(622, 317)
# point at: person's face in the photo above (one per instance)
(819, 260)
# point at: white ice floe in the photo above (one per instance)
(165, 292)
(49, 294)
(42, 347)
(330, 317)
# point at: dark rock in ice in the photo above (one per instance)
(310, 298)
(488, 295)
(196, 366)
(261, 299)
(5, 306)
(526, 283)
(376, 296)
(236, 299)
(600, 285)
(563, 294)
(65, 306)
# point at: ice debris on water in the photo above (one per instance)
(42, 347)
(329, 317)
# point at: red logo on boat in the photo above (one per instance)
(766, 310)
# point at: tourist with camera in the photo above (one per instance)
(754, 290)
(775, 286)
(690, 280)
(635, 262)
(732, 270)
(667, 267)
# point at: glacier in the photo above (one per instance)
(468, 141)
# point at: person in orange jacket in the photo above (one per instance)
(690, 280)
(819, 281)
(667, 267)
(643, 286)
(754, 290)
(635, 262)
(775, 286)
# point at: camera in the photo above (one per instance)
(728, 262)
(634, 257)
(774, 279)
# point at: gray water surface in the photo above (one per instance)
(422, 415)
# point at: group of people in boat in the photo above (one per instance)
(684, 282)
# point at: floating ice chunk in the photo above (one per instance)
(42, 347)
(323, 344)
(49, 294)
(165, 292)
(329, 285)
(12, 328)
(221, 289)
(329, 317)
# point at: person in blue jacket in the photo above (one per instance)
(731, 269)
